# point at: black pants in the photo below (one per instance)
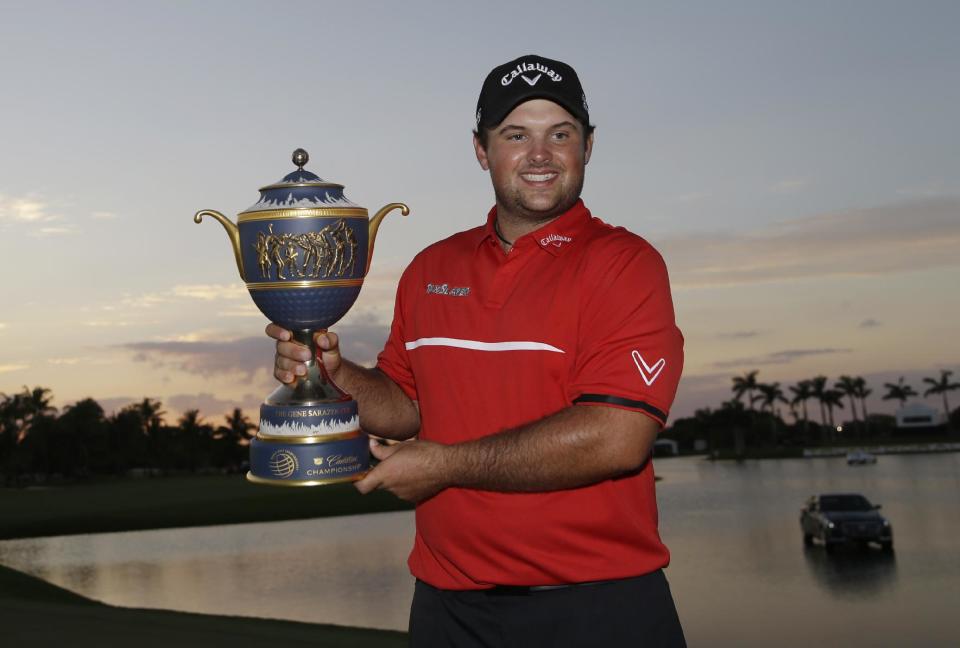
(630, 612)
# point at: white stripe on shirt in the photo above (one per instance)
(482, 346)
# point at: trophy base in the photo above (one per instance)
(309, 445)
(309, 461)
(309, 432)
(253, 479)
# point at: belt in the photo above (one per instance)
(513, 590)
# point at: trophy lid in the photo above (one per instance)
(300, 189)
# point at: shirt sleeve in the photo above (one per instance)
(394, 360)
(630, 351)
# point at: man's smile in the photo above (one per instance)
(539, 178)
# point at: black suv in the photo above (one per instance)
(840, 518)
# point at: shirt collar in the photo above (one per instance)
(555, 237)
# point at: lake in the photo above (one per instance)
(740, 573)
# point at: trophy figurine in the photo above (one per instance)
(303, 250)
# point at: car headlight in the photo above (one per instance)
(830, 525)
(886, 523)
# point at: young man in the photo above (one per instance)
(535, 359)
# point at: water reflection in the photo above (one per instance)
(852, 572)
(739, 572)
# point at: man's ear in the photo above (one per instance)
(481, 154)
(588, 149)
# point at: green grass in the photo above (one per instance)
(36, 613)
(163, 502)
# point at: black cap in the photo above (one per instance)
(525, 78)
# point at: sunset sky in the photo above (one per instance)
(797, 164)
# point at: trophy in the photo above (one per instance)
(303, 250)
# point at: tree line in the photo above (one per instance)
(752, 418)
(38, 442)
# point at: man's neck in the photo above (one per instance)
(511, 226)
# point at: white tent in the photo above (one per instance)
(916, 415)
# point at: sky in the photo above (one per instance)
(797, 165)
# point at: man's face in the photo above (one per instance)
(536, 159)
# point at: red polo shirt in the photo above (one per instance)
(577, 313)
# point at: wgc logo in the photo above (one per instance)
(283, 464)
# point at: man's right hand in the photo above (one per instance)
(291, 357)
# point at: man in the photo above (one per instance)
(535, 359)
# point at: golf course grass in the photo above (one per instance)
(163, 502)
(34, 612)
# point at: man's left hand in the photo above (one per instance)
(413, 471)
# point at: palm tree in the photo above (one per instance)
(36, 401)
(151, 419)
(848, 386)
(237, 430)
(802, 392)
(832, 398)
(30, 404)
(192, 440)
(898, 391)
(942, 386)
(862, 391)
(769, 396)
(745, 384)
(191, 422)
(151, 415)
(238, 425)
(82, 437)
(11, 418)
(819, 386)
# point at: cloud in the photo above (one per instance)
(65, 361)
(738, 335)
(691, 197)
(930, 189)
(103, 215)
(869, 323)
(245, 357)
(185, 292)
(44, 232)
(863, 242)
(210, 292)
(241, 357)
(2, 326)
(9, 368)
(31, 215)
(242, 311)
(776, 358)
(788, 186)
(24, 210)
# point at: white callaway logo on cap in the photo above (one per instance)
(529, 67)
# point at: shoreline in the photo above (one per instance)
(908, 448)
(36, 612)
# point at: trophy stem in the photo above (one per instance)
(313, 388)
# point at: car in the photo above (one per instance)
(861, 458)
(836, 519)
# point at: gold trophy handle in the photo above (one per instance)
(232, 231)
(375, 225)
